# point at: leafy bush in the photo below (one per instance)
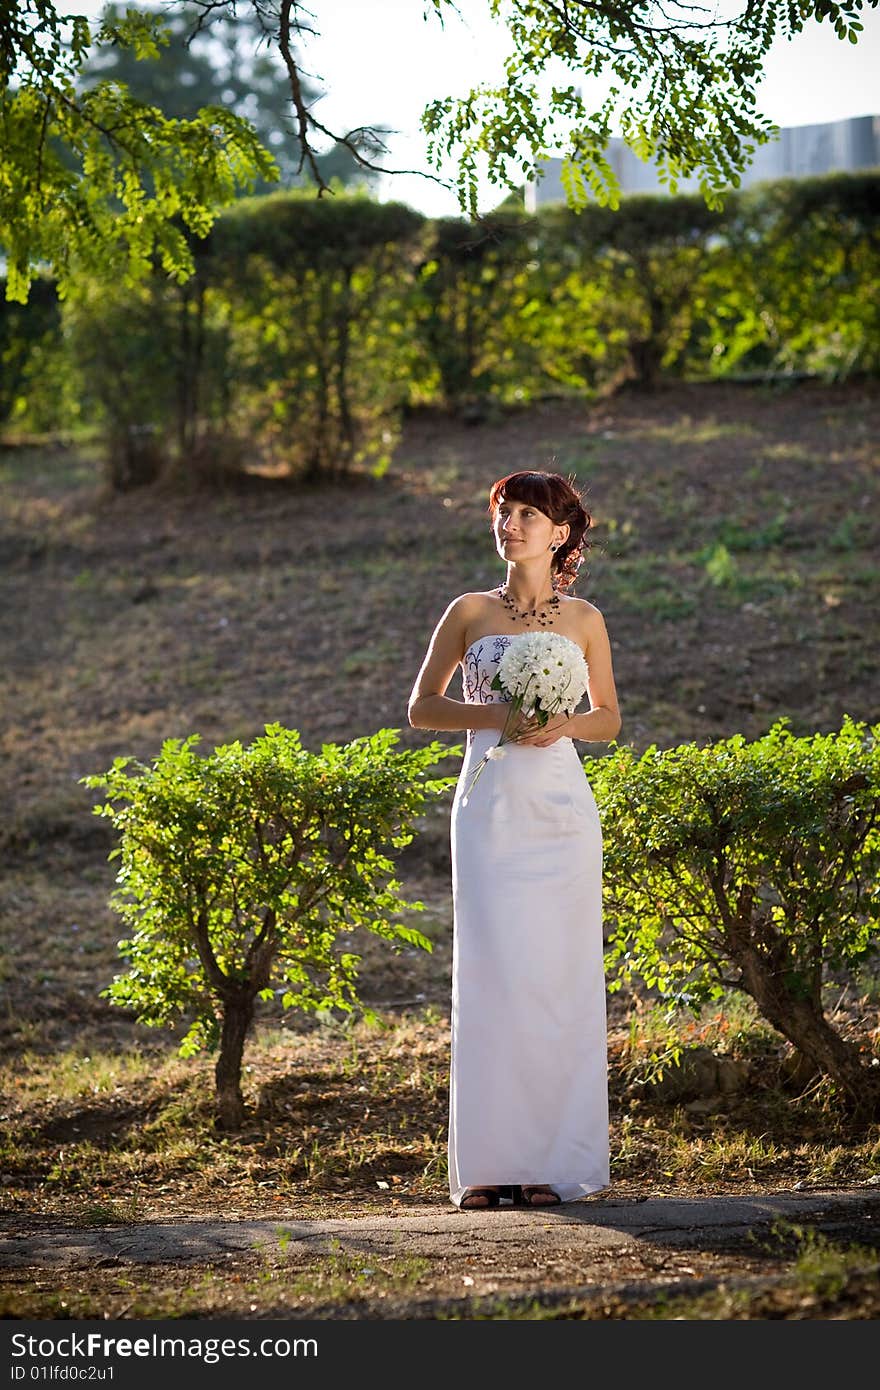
(239, 870)
(30, 349)
(751, 867)
(473, 290)
(310, 325)
(121, 340)
(647, 259)
(318, 305)
(787, 285)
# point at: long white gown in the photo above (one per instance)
(528, 1096)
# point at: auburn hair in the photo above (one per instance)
(558, 498)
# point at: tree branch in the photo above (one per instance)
(307, 123)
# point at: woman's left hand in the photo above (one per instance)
(531, 732)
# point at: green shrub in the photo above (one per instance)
(317, 297)
(751, 867)
(240, 870)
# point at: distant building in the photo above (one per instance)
(799, 152)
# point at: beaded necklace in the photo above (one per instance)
(545, 612)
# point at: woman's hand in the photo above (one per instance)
(531, 732)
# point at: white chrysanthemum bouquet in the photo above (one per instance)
(540, 674)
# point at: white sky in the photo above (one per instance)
(380, 62)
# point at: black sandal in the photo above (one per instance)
(528, 1194)
(491, 1194)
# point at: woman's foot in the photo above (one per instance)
(478, 1198)
(540, 1195)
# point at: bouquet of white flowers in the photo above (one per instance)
(540, 673)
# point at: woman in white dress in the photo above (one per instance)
(528, 1096)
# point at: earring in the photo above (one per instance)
(555, 546)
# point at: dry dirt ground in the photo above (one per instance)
(735, 559)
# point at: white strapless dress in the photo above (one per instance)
(528, 1098)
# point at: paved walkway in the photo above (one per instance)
(700, 1223)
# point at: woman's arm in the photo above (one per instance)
(429, 706)
(601, 722)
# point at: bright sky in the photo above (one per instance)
(381, 61)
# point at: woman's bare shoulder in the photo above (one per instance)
(585, 619)
(466, 606)
(582, 610)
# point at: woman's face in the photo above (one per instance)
(522, 532)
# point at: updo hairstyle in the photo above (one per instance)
(559, 499)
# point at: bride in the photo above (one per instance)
(528, 1096)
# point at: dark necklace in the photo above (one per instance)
(544, 612)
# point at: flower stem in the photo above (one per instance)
(515, 706)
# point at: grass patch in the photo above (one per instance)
(825, 1278)
(341, 1275)
(690, 430)
(369, 1117)
(360, 1116)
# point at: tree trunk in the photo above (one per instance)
(238, 1015)
(800, 1019)
(346, 453)
(645, 355)
(192, 345)
(135, 456)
